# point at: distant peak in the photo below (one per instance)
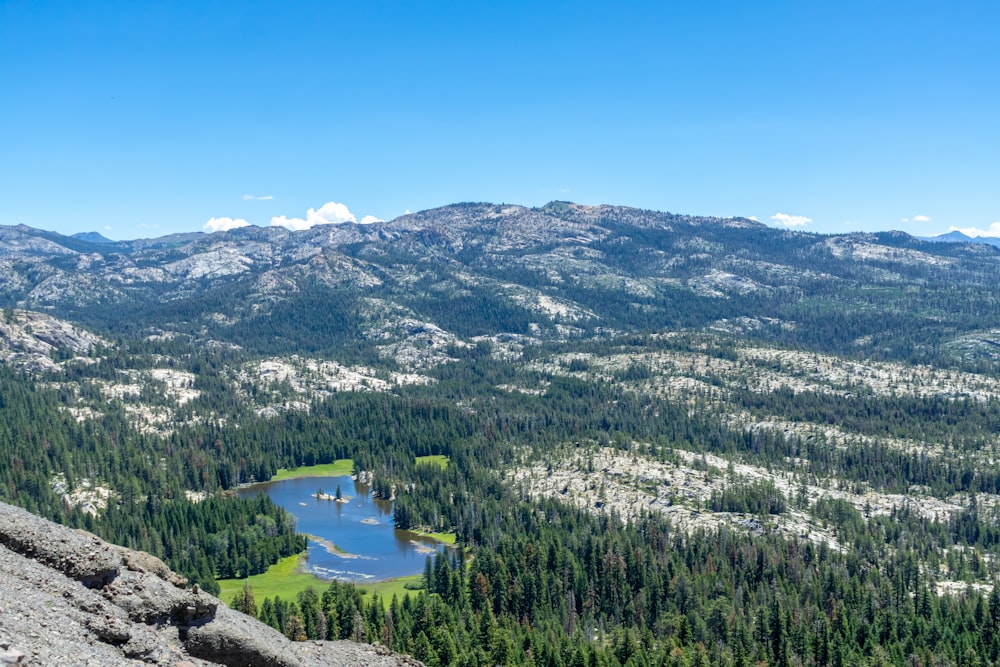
(92, 237)
(558, 207)
(954, 234)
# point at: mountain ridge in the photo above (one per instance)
(957, 236)
(585, 380)
(527, 263)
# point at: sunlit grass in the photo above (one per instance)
(437, 459)
(338, 468)
(285, 580)
(397, 586)
(444, 538)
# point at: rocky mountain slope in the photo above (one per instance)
(31, 340)
(67, 598)
(301, 315)
(414, 292)
(824, 390)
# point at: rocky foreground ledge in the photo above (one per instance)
(68, 598)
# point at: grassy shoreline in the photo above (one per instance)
(285, 579)
(339, 468)
(443, 538)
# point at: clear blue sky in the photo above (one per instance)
(140, 119)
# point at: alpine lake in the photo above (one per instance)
(351, 539)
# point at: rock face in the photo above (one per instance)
(68, 598)
(29, 339)
(421, 288)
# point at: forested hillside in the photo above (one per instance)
(670, 439)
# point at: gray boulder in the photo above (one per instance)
(67, 597)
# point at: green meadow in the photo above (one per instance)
(338, 468)
(286, 580)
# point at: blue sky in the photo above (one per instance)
(139, 119)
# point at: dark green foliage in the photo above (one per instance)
(757, 498)
(217, 538)
(561, 587)
(475, 315)
(539, 582)
(205, 540)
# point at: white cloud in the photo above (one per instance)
(370, 219)
(921, 218)
(786, 220)
(330, 213)
(992, 231)
(406, 212)
(224, 224)
(257, 198)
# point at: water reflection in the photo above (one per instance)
(353, 539)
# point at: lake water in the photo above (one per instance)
(356, 539)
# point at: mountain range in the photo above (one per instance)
(959, 237)
(450, 275)
(616, 413)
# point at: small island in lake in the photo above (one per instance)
(337, 497)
